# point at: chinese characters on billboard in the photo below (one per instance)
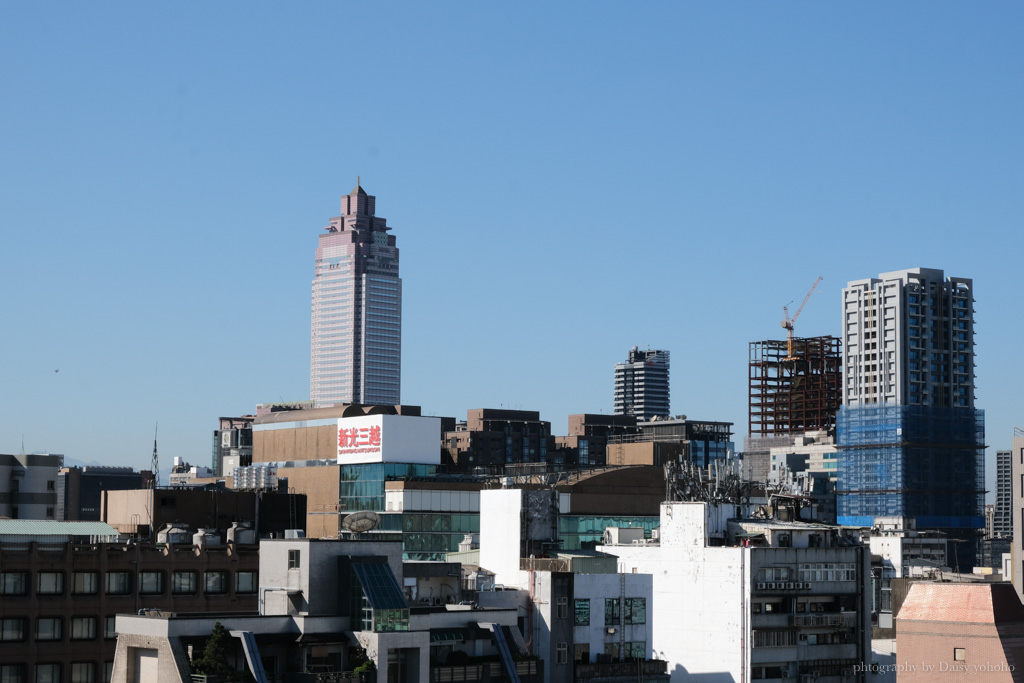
(352, 440)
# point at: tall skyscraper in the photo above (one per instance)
(911, 442)
(641, 385)
(356, 345)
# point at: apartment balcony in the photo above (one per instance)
(651, 670)
(848, 619)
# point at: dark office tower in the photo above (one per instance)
(911, 442)
(641, 385)
(356, 345)
(80, 489)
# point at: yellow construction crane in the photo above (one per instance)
(787, 324)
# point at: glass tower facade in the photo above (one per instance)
(356, 339)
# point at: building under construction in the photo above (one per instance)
(794, 385)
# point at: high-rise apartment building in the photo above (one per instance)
(641, 385)
(909, 340)
(356, 345)
(911, 442)
(1002, 516)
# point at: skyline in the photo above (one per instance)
(564, 185)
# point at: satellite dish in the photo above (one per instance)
(359, 522)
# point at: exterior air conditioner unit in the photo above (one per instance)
(760, 586)
(815, 674)
(789, 586)
(847, 672)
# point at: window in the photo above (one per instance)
(635, 650)
(774, 638)
(151, 583)
(636, 610)
(12, 629)
(245, 582)
(12, 673)
(563, 608)
(215, 583)
(49, 628)
(47, 673)
(562, 650)
(49, 583)
(183, 583)
(611, 611)
(109, 627)
(85, 583)
(108, 671)
(581, 609)
(119, 583)
(83, 628)
(612, 650)
(13, 583)
(83, 672)
(294, 559)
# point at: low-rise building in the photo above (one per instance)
(581, 615)
(63, 583)
(28, 485)
(953, 632)
(80, 489)
(323, 607)
(739, 598)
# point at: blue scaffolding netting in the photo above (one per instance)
(911, 461)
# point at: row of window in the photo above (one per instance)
(629, 650)
(81, 672)
(625, 611)
(120, 583)
(821, 571)
(16, 629)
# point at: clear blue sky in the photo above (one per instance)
(565, 180)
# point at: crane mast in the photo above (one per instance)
(787, 323)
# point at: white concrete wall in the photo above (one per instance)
(501, 535)
(700, 607)
(403, 438)
(318, 569)
(599, 587)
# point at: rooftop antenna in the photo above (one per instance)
(156, 460)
